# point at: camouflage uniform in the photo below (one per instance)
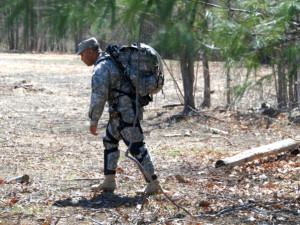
(109, 85)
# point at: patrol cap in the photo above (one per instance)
(87, 44)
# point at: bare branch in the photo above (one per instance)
(176, 84)
(228, 8)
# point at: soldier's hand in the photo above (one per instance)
(93, 130)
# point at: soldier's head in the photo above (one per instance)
(264, 105)
(89, 51)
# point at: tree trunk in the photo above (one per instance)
(26, 35)
(228, 86)
(45, 45)
(282, 87)
(282, 84)
(291, 88)
(78, 35)
(206, 75)
(298, 87)
(17, 36)
(39, 35)
(292, 73)
(12, 38)
(187, 73)
(33, 34)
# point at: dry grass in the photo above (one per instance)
(44, 133)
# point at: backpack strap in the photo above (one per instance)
(110, 50)
(101, 58)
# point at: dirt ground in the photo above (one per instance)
(44, 134)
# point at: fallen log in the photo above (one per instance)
(20, 179)
(262, 151)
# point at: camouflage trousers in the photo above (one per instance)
(117, 130)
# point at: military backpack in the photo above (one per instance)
(142, 68)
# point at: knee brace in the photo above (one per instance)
(139, 151)
(109, 141)
(111, 157)
(108, 138)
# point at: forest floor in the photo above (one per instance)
(44, 134)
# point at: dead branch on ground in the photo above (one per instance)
(254, 153)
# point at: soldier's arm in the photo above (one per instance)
(99, 96)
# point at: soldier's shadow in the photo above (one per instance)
(104, 200)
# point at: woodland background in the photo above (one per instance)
(240, 33)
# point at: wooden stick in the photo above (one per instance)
(81, 179)
(214, 130)
(95, 221)
(262, 151)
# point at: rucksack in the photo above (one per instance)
(143, 61)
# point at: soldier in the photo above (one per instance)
(109, 86)
(268, 110)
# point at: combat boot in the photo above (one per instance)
(109, 184)
(151, 188)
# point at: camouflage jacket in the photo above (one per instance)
(108, 85)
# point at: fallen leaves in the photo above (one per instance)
(209, 185)
(204, 204)
(12, 201)
(270, 185)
